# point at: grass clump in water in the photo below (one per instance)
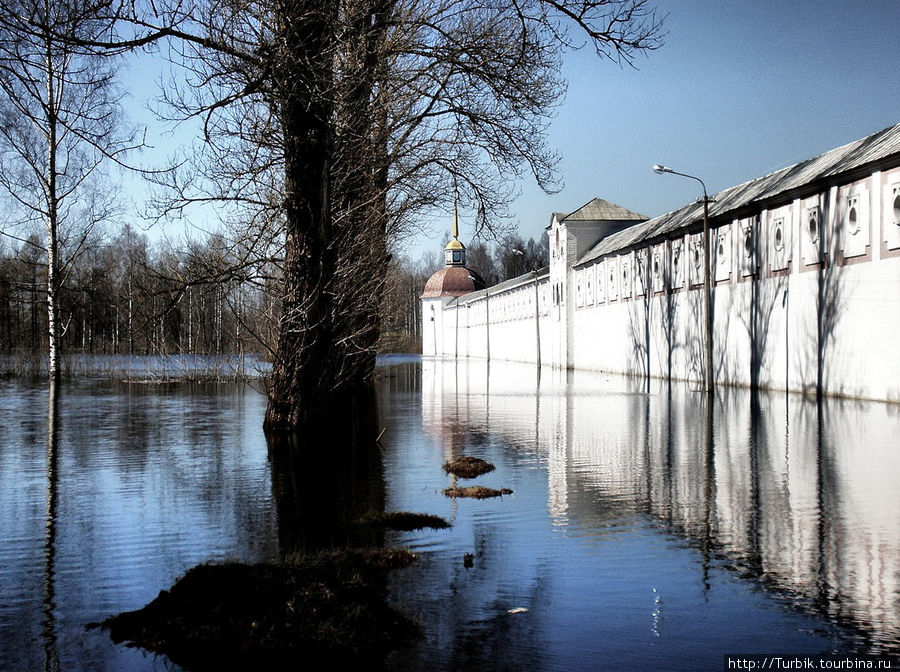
(237, 616)
(476, 492)
(468, 467)
(406, 520)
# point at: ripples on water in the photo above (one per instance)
(644, 531)
(141, 483)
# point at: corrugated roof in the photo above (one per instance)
(845, 159)
(504, 286)
(600, 210)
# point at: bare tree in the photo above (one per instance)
(514, 256)
(59, 121)
(337, 123)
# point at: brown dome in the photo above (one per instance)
(452, 281)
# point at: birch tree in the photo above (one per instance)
(60, 121)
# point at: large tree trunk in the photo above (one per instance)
(335, 256)
(301, 385)
(360, 184)
(300, 379)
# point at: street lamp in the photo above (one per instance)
(707, 290)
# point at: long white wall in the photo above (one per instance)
(806, 296)
(499, 325)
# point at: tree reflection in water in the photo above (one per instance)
(328, 478)
(48, 626)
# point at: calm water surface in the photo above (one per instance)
(646, 530)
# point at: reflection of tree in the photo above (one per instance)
(327, 479)
(48, 630)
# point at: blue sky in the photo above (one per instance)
(739, 89)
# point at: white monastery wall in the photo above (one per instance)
(805, 293)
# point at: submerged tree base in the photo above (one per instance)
(237, 616)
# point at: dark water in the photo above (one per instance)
(137, 484)
(646, 530)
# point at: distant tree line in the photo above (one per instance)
(128, 296)
(510, 257)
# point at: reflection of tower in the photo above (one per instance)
(48, 629)
(452, 281)
(447, 406)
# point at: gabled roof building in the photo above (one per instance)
(804, 281)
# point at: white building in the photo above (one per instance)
(805, 291)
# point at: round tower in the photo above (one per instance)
(450, 282)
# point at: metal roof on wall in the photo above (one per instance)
(839, 161)
(600, 210)
(505, 286)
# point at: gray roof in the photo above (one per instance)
(600, 210)
(504, 286)
(783, 185)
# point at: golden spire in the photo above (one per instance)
(455, 220)
(455, 251)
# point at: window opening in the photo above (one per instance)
(779, 235)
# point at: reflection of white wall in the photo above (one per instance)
(793, 490)
(861, 484)
(788, 481)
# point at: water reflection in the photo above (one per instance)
(51, 656)
(793, 496)
(646, 530)
(327, 480)
(108, 493)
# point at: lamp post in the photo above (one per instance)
(707, 285)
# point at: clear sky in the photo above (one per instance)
(738, 90)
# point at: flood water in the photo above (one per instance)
(646, 530)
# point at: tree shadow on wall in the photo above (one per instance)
(764, 296)
(639, 324)
(829, 305)
(658, 327)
